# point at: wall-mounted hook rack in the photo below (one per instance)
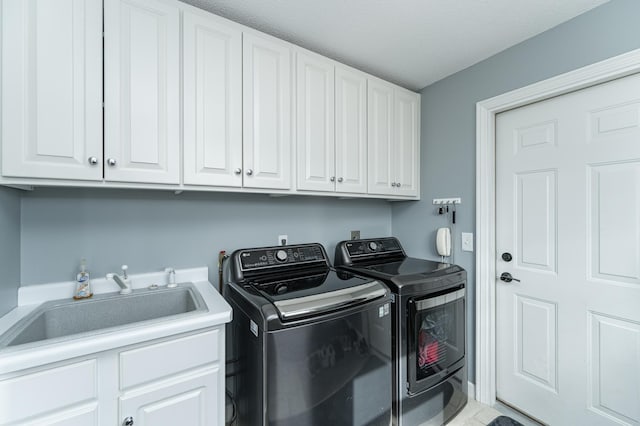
(443, 201)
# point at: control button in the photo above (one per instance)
(373, 246)
(263, 258)
(281, 255)
(281, 289)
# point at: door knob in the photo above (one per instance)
(507, 278)
(111, 162)
(93, 161)
(507, 257)
(340, 179)
(238, 171)
(249, 172)
(332, 178)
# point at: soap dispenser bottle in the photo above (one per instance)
(83, 283)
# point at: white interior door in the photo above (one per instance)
(568, 211)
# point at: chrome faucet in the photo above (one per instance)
(124, 283)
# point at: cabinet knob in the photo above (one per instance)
(340, 179)
(398, 184)
(332, 178)
(93, 161)
(111, 162)
(249, 172)
(393, 184)
(128, 421)
(238, 171)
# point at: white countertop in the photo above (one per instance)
(20, 357)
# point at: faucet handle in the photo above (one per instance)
(125, 268)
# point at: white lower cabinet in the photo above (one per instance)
(188, 400)
(173, 381)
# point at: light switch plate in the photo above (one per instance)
(467, 241)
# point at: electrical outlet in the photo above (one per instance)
(355, 235)
(467, 241)
(283, 240)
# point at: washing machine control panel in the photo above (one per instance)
(271, 257)
(377, 246)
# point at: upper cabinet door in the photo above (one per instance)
(351, 130)
(52, 89)
(380, 131)
(142, 91)
(406, 142)
(266, 112)
(212, 90)
(315, 130)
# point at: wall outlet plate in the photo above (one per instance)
(283, 240)
(355, 235)
(467, 241)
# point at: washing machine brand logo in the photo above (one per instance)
(245, 254)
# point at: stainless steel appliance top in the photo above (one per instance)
(386, 260)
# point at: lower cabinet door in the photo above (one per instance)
(187, 400)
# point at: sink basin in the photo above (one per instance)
(68, 318)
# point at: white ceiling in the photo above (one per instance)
(410, 42)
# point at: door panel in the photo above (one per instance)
(380, 133)
(536, 346)
(52, 89)
(212, 81)
(142, 92)
(614, 354)
(266, 112)
(536, 220)
(316, 123)
(615, 198)
(406, 142)
(568, 207)
(351, 130)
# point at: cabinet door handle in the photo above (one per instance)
(249, 172)
(340, 179)
(111, 162)
(393, 184)
(332, 178)
(128, 421)
(398, 184)
(93, 161)
(238, 171)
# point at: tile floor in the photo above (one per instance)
(477, 414)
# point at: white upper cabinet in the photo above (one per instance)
(315, 126)
(266, 112)
(406, 151)
(142, 91)
(394, 139)
(331, 126)
(52, 89)
(212, 91)
(351, 130)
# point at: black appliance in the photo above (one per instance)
(428, 328)
(312, 346)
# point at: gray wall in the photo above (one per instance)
(448, 121)
(149, 230)
(9, 248)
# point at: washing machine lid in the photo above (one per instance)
(318, 293)
(406, 266)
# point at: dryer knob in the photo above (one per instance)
(373, 246)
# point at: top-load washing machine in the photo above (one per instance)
(312, 347)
